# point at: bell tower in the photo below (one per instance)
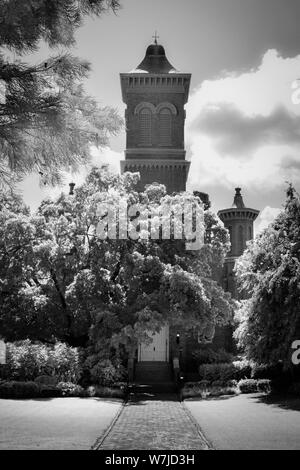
(155, 94)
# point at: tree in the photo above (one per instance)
(74, 285)
(269, 271)
(47, 122)
(22, 25)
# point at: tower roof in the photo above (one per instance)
(238, 210)
(155, 61)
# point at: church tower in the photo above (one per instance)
(239, 220)
(155, 94)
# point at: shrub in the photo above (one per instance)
(195, 389)
(106, 372)
(220, 372)
(243, 369)
(27, 361)
(19, 390)
(248, 386)
(65, 362)
(264, 385)
(109, 392)
(232, 383)
(219, 391)
(68, 389)
(224, 372)
(203, 390)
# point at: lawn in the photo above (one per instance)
(58, 423)
(248, 422)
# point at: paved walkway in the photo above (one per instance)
(161, 422)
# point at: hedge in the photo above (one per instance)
(224, 372)
(248, 386)
(22, 390)
(253, 386)
(15, 389)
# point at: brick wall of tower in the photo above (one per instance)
(234, 226)
(154, 133)
(241, 231)
(172, 175)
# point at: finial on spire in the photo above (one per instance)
(238, 199)
(155, 37)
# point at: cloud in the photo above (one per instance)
(267, 215)
(237, 134)
(291, 163)
(241, 128)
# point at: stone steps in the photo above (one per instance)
(153, 373)
(153, 388)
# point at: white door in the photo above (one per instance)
(158, 350)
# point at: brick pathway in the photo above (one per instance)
(159, 423)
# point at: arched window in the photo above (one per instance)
(145, 127)
(165, 127)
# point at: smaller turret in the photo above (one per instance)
(71, 190)
(239, 220)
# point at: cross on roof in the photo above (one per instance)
(155, 37)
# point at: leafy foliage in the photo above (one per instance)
(225, 372)
(27, 361)
(269, 271)
(105, 371)
(61, 281)
(15, 389)
(204, 390)
(24, 24)
(47, 122)
(248, 386)
(69, 389)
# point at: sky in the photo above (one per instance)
(243, 114)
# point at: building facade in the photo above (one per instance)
(155, 94)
